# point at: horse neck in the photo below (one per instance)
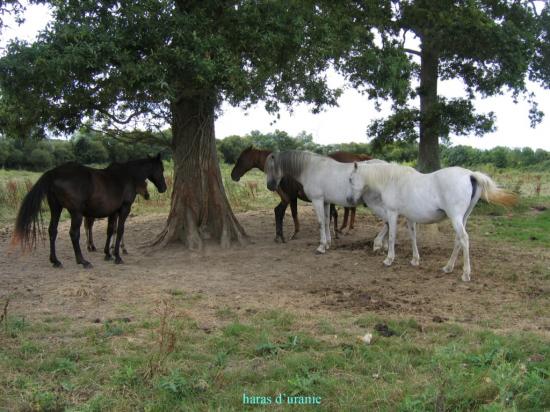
(136, 170)
(260, 158)
(380, 175)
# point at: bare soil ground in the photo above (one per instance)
(505, 292)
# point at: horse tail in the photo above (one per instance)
(29, 219)
(491, 193)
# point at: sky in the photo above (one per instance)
(348, 122)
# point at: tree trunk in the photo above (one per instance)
(428, 151)
(199, 212)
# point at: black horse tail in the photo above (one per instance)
(28, 225)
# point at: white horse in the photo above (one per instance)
(324, 180)
(425, 198)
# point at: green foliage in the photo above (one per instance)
(111, 63)
(41, 159)
(500, 157)
(490, 46)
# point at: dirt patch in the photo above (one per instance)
(505, 292)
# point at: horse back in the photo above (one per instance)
(346, 157)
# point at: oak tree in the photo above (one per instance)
(144, 63)
(492, 46)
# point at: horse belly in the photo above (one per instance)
(416, 204)
(101, 206)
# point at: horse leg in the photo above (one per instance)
(76, 222)
(111, 222)
(392, 228)
(327, 223)
(333, 213)
(345, 222)
(123, 246)
(88, 230)
(412, 232)
(379, 239)
(55, 213)
(464, 242)
(319, 207)
(448, 268)
(352, 219)
(113, 238)
(123, 214)
(280, 210)
(294, 210)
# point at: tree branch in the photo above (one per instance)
(121, 121)
(412, 51)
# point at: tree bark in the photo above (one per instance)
(428, 151)
(199, 212)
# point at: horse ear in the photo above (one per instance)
(355, 165)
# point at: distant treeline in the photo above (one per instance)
(85, 147)
(402, 152)
(90, 147)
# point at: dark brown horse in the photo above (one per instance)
(290, 190)
(141, 189)
(89, 192)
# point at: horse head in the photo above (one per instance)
(156, 174)
(355, 187)
(273, 172)
(244, 163)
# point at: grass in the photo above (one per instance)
(526, 224)
(124, 366)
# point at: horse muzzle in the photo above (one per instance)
(272, 185)
(235, 178)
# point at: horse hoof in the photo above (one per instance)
(415, 262)
(279, 239)
(57, 264)
(91, 248)
(320, 250)
(118, 261)
(447, 269)
(465, 277)
(107, 257)
(87, 265)
(124, 252)
(388, 261)
(294, 236)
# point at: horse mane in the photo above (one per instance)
(293, 162)
(380, 174)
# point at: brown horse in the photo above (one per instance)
(141, 189)
(85, 191)
(290, 190)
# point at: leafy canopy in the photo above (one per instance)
(120, 63)
(491, 45)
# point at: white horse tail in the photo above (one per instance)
(491, 193)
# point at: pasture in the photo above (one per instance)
(174, 330)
